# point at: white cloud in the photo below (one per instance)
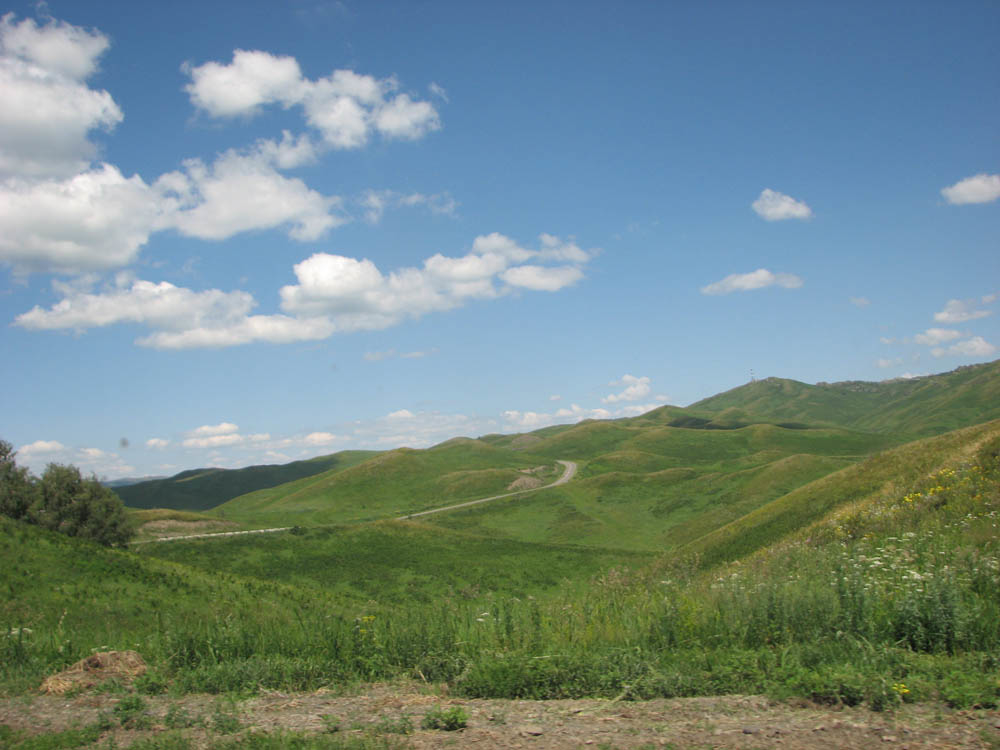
(960, 311)
(774, 206)
(97, 219)
(438, 91)
(375, 203)
(223, 428)
(542, 278)
(48, 111)
(379, 356)
(977, 346)
(982, 188)
(41, 447)
(272, 329)
(860, 301)
(401, 414)
(157, 443)
(160, 305)
(358, 296)
(635, 388)
(244, 192)
(345, 107)
(334, 294)
(935, 336)
(184, 318)
(38, 454)
(741, 282)
(555, 397)
(884, 363)
(526, 420)
(243, 87)
(319, 438)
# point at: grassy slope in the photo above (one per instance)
(401, 564)
(389, 485)
(652, 487)
(884, 474)
(201, 489)
(77, 597)
(916, 407)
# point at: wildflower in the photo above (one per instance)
(900, 688)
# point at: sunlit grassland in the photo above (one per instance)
(391, 484)
(916, 407)
(201, 489)
(402, 564)
(661, 487)
(889, 594)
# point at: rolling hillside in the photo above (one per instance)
(916, 407)
(201, 489)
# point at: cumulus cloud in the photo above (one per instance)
(936, 336)
(358, 296)
(40, 453)
(96, 220)
(860, 301)
(960, 311)
(40, 447)
(219, 435)
(242, 192)
(319, 438)
(981, 188)
(884, 363)
(157, 443)
(334, 294)
(345, 107)
(774, 206)
(48, 110)
(186, 319)
(977, 346)
(635, 388)
(742, 282)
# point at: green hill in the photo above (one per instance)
(390, 485)
(201, 489)
(915, 407)
(652, 487)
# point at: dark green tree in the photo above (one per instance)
(75, 506)
(17, 490)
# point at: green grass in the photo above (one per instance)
(401, 564)
(665, 486)
(201, 489)
(390, 485)
(916, 407)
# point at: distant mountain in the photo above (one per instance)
(201, 489)
(126, 481)
(914, 407)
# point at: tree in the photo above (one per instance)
(72, 505)
(63, 501)
(17, 490)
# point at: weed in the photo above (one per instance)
(177, 717)
(225, 719)
(402, 725)
(446, 719)
(131, 713)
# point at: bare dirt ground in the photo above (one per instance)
(726, 722)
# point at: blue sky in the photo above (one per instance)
(236, 233)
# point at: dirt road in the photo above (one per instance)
(389, 710)
(570, 470)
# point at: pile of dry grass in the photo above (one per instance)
(96, 668)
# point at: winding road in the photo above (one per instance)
(566, 476)
(569, 471)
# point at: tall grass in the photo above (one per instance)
(898, 599)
